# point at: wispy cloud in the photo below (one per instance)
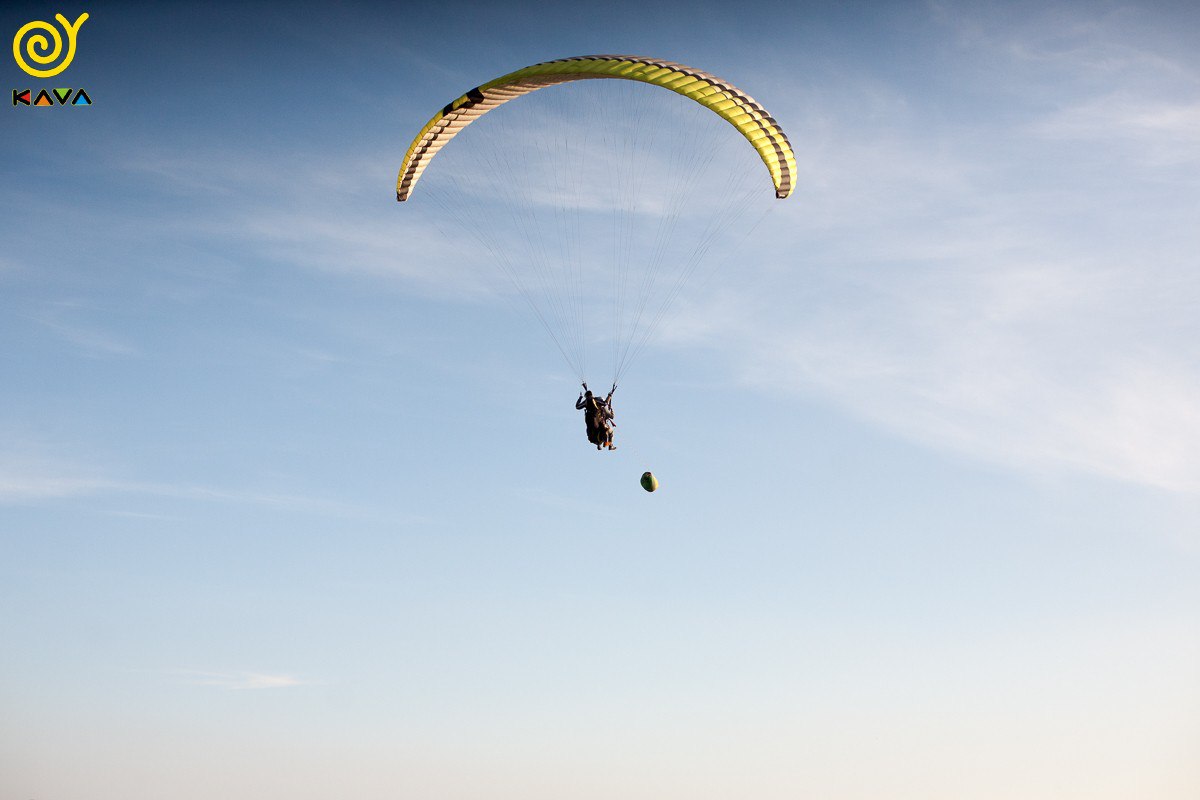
(62, 318)
(32, 471)
(33, 477)
(335, 213)
(1037, 365)
(1011, 302)
(19, 485)
(242, 680)
(1164, 132)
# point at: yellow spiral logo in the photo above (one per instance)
(39, 49)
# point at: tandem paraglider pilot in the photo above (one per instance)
(598, 417)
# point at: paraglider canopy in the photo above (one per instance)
(719, 96)
(599, 200)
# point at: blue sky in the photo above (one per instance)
(293, 504)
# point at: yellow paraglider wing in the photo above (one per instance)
(739, 109)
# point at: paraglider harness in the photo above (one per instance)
(598, 417)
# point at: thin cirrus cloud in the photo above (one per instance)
(32, 478)
(242, 680)
(1013, 302)
(1165, 132)
(346, 222)
(92, 341)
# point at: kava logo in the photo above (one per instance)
(31, 41)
